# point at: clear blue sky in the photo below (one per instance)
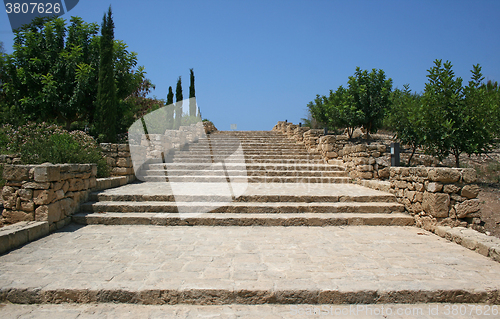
(257, 62)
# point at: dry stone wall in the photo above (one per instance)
(435, 196)
(438, 196)
(46, 192)
(119, 159)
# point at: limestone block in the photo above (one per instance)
(363, 154)
(8, 192)
(327, 147)
(92, 182)
(458, 198)
(384, 173)
(25, 194)
(444, 175)
(44, 197)
(410, 195)
(51, 213)
(122, 171)
(124, 162)
(365, 175)
(467, 207)
(364, 168)
(123, 148)
(15, 216)
(470, 191)
(34, 185)
(10, 202)
(65, 186)
(59, 194)
(381, 148)
(332, 155)
(16, 172)
(93, 171)
(450, 188)
(66, 206)
(165, 146)
(76, 184)
(469, 175)
(416, 208)
(434, 187)
(111, 161)
(106, 147)
(376, 154)
(419, 196)
(86, 183)
(401, 184)
(57, 185)
(436, 204)
(47, 173)
(419, 187)
(27, 206)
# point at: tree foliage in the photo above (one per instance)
(192, 104)
(405, 118)
(52, 74)
(362, 103)
(106, 90)
(178, 103)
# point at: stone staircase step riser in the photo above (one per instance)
(245, 172)
(249, 179)
(243, 220)
(167, 207)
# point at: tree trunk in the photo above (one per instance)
(411, 156)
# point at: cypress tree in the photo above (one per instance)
(178, 104)
(106, 91)
(170, 108)
(192, 104)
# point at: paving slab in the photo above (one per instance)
(278, 189)
(121, 311)
(246, 265)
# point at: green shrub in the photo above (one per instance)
(41, 143)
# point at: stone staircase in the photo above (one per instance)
(282, 185)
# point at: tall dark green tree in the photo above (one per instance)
(106, 91)
(192, 104)
(178, 103)
(170, 108)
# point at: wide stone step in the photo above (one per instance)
(240, 207)
(249, 166)
(254, 160)
(248, 172)
(249, 179)
(246, 152)
(211, 265)
(262, 198)
(229, 219)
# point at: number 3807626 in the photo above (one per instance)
(32, 7)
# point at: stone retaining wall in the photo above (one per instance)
(119, 159)
(45, 192)
(438, 196)
(364, 161)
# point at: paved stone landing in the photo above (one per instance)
(246, 265)
(125, 311)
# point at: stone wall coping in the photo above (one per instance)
(12, 236)
(485, 245)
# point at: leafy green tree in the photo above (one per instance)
(405, 118)
(318, 110)
(457, 119)
(342, 112)
(106, 91)
(192, 104)
(52, 74)
(178, 103)
(370, 94)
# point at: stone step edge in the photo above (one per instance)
(488, 246)
(389, 198)
(18, 234)
(232, 219)
(242, 207)
(216, 296)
